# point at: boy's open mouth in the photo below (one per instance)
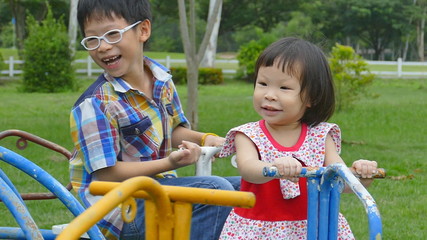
(111, 60)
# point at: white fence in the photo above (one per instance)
(91, 67)
(399, 64)
(227, 66)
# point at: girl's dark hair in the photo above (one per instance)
(305, 60)
(131, 10)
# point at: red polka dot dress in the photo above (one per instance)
(280, 211)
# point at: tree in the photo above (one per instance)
(72, 26)
(18, 12)
(37, 8)
(208, 59)
(193, 57)
(420, 20)
(375, 22)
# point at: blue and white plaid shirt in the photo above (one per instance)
(111, 121)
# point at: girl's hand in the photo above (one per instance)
(364, 168)
(187, 154)
(288, 167)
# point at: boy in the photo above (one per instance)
(132, 116)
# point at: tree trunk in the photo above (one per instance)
(405, 50)
(18, 12)
(188, 34)
(72, 26)
(420, 36)
(209, 56)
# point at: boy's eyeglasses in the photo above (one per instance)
(111, 37)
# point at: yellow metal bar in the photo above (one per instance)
(183, 213)
(162, 220)
(188, 194)
(116, 196)
(151, 221)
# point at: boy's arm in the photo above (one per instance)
(125, 170)
(181, 133)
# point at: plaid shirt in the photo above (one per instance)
(113, 122)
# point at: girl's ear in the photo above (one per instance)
(145, 28)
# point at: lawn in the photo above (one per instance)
(389, 129)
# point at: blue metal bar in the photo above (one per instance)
(374, 218)
(49, 182)
(313, 208)
(334, 207)
(17, 233)
(19, 211)
(10, 184)
(324, 200)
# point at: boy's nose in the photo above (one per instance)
(103, 45)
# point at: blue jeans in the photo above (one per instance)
(207, 220)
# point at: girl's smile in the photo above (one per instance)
(269, 110)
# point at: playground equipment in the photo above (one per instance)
(14, 201)
(168, 208)
(165, 203)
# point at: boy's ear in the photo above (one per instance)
(145, 28)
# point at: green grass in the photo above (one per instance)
(389, 129)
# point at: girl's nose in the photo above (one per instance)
(270, 96)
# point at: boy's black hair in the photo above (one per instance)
(305, 60)
(131, 10)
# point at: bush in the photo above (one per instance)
(207, 76)
(249, 53)
(47, 57)
(2, 63)
(7, 36)
(351, 76)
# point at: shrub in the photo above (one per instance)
(351, 76)
(7, 36)
(2, 63)
(47, 57)
(206, 75)
(248, 54)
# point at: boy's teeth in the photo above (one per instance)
(110, 60)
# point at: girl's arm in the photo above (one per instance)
(251, 168)
(364, 168)
(125, 170)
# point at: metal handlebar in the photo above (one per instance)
(314, 172)
(204, 164)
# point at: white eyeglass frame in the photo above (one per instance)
(121, 31)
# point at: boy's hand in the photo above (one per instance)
(187, 154)
(213, 141)
(364, 168)
(288, 167)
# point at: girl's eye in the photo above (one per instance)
(284, 88)
(262, 83)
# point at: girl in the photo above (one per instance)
(294, 95)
